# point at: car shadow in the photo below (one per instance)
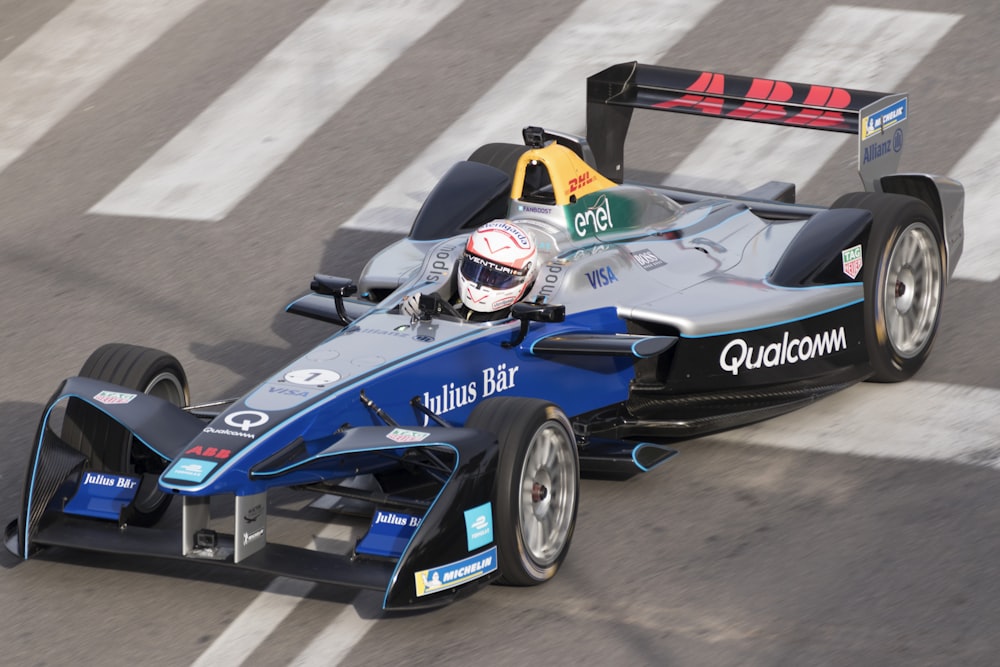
(345, 254)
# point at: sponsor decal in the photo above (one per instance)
(738, 354)
(210, 452)
(647, 259)
(550, 281)
(110, 481)
(114, 397)
(442, 263)
(405, 435)
(493, 266)
(883, 119)
(534, 209)
(315, 377)
(388, 534)
(701, 97)
(252, 536)
(581, 181)
(595, 219)
(254, 513)
(228, 431)
(586, 252)
(246, 419)
(452, 396)
(102, 495)
(479, 526)
(377, 332)
(851, 259)
(186, 469)
(601, 277)
(875, 151)
(455, 574)
(289, 391)
(395, 519)
(516, 234)
(502, 303)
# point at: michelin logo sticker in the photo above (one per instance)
(883, 119)
(454, 574)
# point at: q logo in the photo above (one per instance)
(246, 419)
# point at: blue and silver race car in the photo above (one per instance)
(657, 314)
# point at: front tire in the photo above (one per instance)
(903, 282)
(107, 444)
(537, 487)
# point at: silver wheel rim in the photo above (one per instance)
(168, 387)
(911, 295)
(548, 493)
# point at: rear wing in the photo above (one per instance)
(878, 119)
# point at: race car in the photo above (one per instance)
(657, 314)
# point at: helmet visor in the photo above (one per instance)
(481, 271)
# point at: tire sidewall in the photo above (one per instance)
(136, 368)
(515, 421)
(892, 216)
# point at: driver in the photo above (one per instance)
(497, 269)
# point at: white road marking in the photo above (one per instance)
(854, 47)
(70, 57)
(334, 642)
(979, 172)
(545, 88)
(214, 162)
(251, 628)
(909, 420)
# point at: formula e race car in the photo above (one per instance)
(657, 314)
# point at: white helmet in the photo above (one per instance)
(497, 267)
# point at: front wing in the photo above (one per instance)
(425, 555)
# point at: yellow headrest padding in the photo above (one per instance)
(570, 175)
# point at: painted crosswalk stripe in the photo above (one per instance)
(266, 612)
(214, 162)
(332, 644)
(979, 172)
(545, 88)
(910, 420)
(854, 47)
(70, 57)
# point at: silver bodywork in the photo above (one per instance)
(708, 282)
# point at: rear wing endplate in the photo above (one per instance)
(878, 119)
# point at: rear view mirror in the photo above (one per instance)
(538, 312)
(533, 312)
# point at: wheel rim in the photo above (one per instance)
(548, 493)
(167, 386)
(911, 295)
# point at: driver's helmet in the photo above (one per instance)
(498, 266)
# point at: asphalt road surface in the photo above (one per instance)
(173, 172)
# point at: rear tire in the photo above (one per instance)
(107, 444)
(537, 486)
(903, 274)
